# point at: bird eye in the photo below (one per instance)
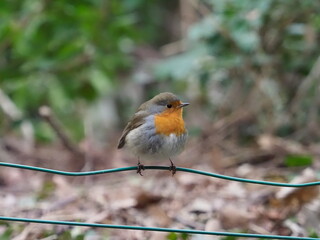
(169, 106)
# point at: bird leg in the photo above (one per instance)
(140, 167)
(172, 168)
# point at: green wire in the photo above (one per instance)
(188, 231)
(156, 229)
(159, 168)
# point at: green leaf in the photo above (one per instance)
(180, 66)
(204, 29)
(65, 236)
(43, 132)
(229, 238)
(100, 81)
(176, 236)
(47, 188)
(298, 160)
(185, 236)
(313, 233)
(7, 234)
(172, 236)
(57, 96)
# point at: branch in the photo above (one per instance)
(46, 113)
(8, 107)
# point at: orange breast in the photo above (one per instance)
(170, 121)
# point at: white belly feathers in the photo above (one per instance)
(145, 143)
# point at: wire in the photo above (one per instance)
(188, 231)
(104, 171)
(155, 229)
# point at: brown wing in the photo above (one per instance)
(136, 121)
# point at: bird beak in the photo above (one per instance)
(183, 105)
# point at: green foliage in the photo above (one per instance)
(240, 54)
(67, 235)
(10, 230)
(252, 55)
(47, 188)
(172, 236)
(68, 53)
(298, 161)
(229, 238)
(176, 236)
(7, 234)
(313, 234)
(184, 236)
(74, 233)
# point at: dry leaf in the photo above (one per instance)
(280, 145)
(159, 215)
(232, 216)
(296, 197)
(212, 225)
(143, 199)
(199, 206)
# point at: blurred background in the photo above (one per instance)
(73, 72)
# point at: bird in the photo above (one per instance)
(156, 130)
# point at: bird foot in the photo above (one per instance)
(172, 168)
(140, 168)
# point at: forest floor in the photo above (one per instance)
(158, 199)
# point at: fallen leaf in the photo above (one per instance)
(296, 197)
(144, 199)
(233, 216)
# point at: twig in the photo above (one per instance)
(14, 113)
(173, 48)
(46, 113)
(8, 107)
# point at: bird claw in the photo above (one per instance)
(172, 168)
(140, 168)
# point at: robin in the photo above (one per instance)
(156, 130)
